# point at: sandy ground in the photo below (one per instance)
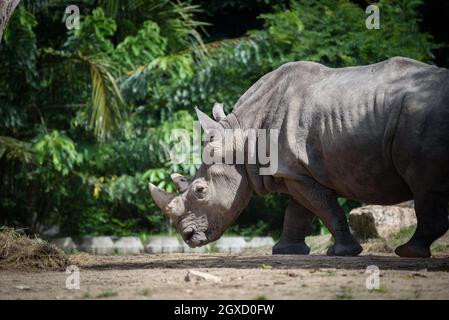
(251, 275)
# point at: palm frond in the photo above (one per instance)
(174, 17)
(106, 102)
(14, 149)
(187, 14)
(106, 99)
(110, 7)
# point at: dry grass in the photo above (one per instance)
(23, 253)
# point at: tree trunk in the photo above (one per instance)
(6, 9)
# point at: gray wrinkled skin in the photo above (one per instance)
(376, 133)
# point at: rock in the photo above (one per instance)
(258, 242)
(380, 221)
(66, 244)
(203, 249)
(198, 275)
(51, 232)
(230, 244)
(319, 244)
(407, 204)
(23, 287)
(98, 245)
(163, 244)
(128, 245)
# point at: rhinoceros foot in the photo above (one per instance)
(413, 250)
(346, 249)
(290, 248)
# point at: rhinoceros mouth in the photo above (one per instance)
(195, 239)
(193, 230)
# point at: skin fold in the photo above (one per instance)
(376, 133)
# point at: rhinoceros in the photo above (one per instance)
(377, 133)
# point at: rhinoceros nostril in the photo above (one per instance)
(187, 234)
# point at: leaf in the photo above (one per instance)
(342, 201)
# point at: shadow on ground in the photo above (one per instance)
(270, 262)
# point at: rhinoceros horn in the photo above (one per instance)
(165, 201)
(206, 122)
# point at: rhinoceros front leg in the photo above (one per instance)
(297, 224)
(323, 203)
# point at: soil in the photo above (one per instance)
(249, 275)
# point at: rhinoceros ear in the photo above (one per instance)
(218, 112)
(207, 123)
(181, 182)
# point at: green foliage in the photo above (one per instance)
(98, 221)
(23, 53)
(10, 118)
(175, 19)
(136, 51)
(58, 150)
(93, 36)
(18, 73)
(233, 67)
(335, 33)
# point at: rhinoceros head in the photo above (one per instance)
(210, 202)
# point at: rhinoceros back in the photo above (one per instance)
(339, 125)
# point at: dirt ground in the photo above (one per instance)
(250, 275)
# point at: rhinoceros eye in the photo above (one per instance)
(200, 191)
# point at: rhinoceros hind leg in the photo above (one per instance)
(432, 217)
(297, 225)
(413, 250)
